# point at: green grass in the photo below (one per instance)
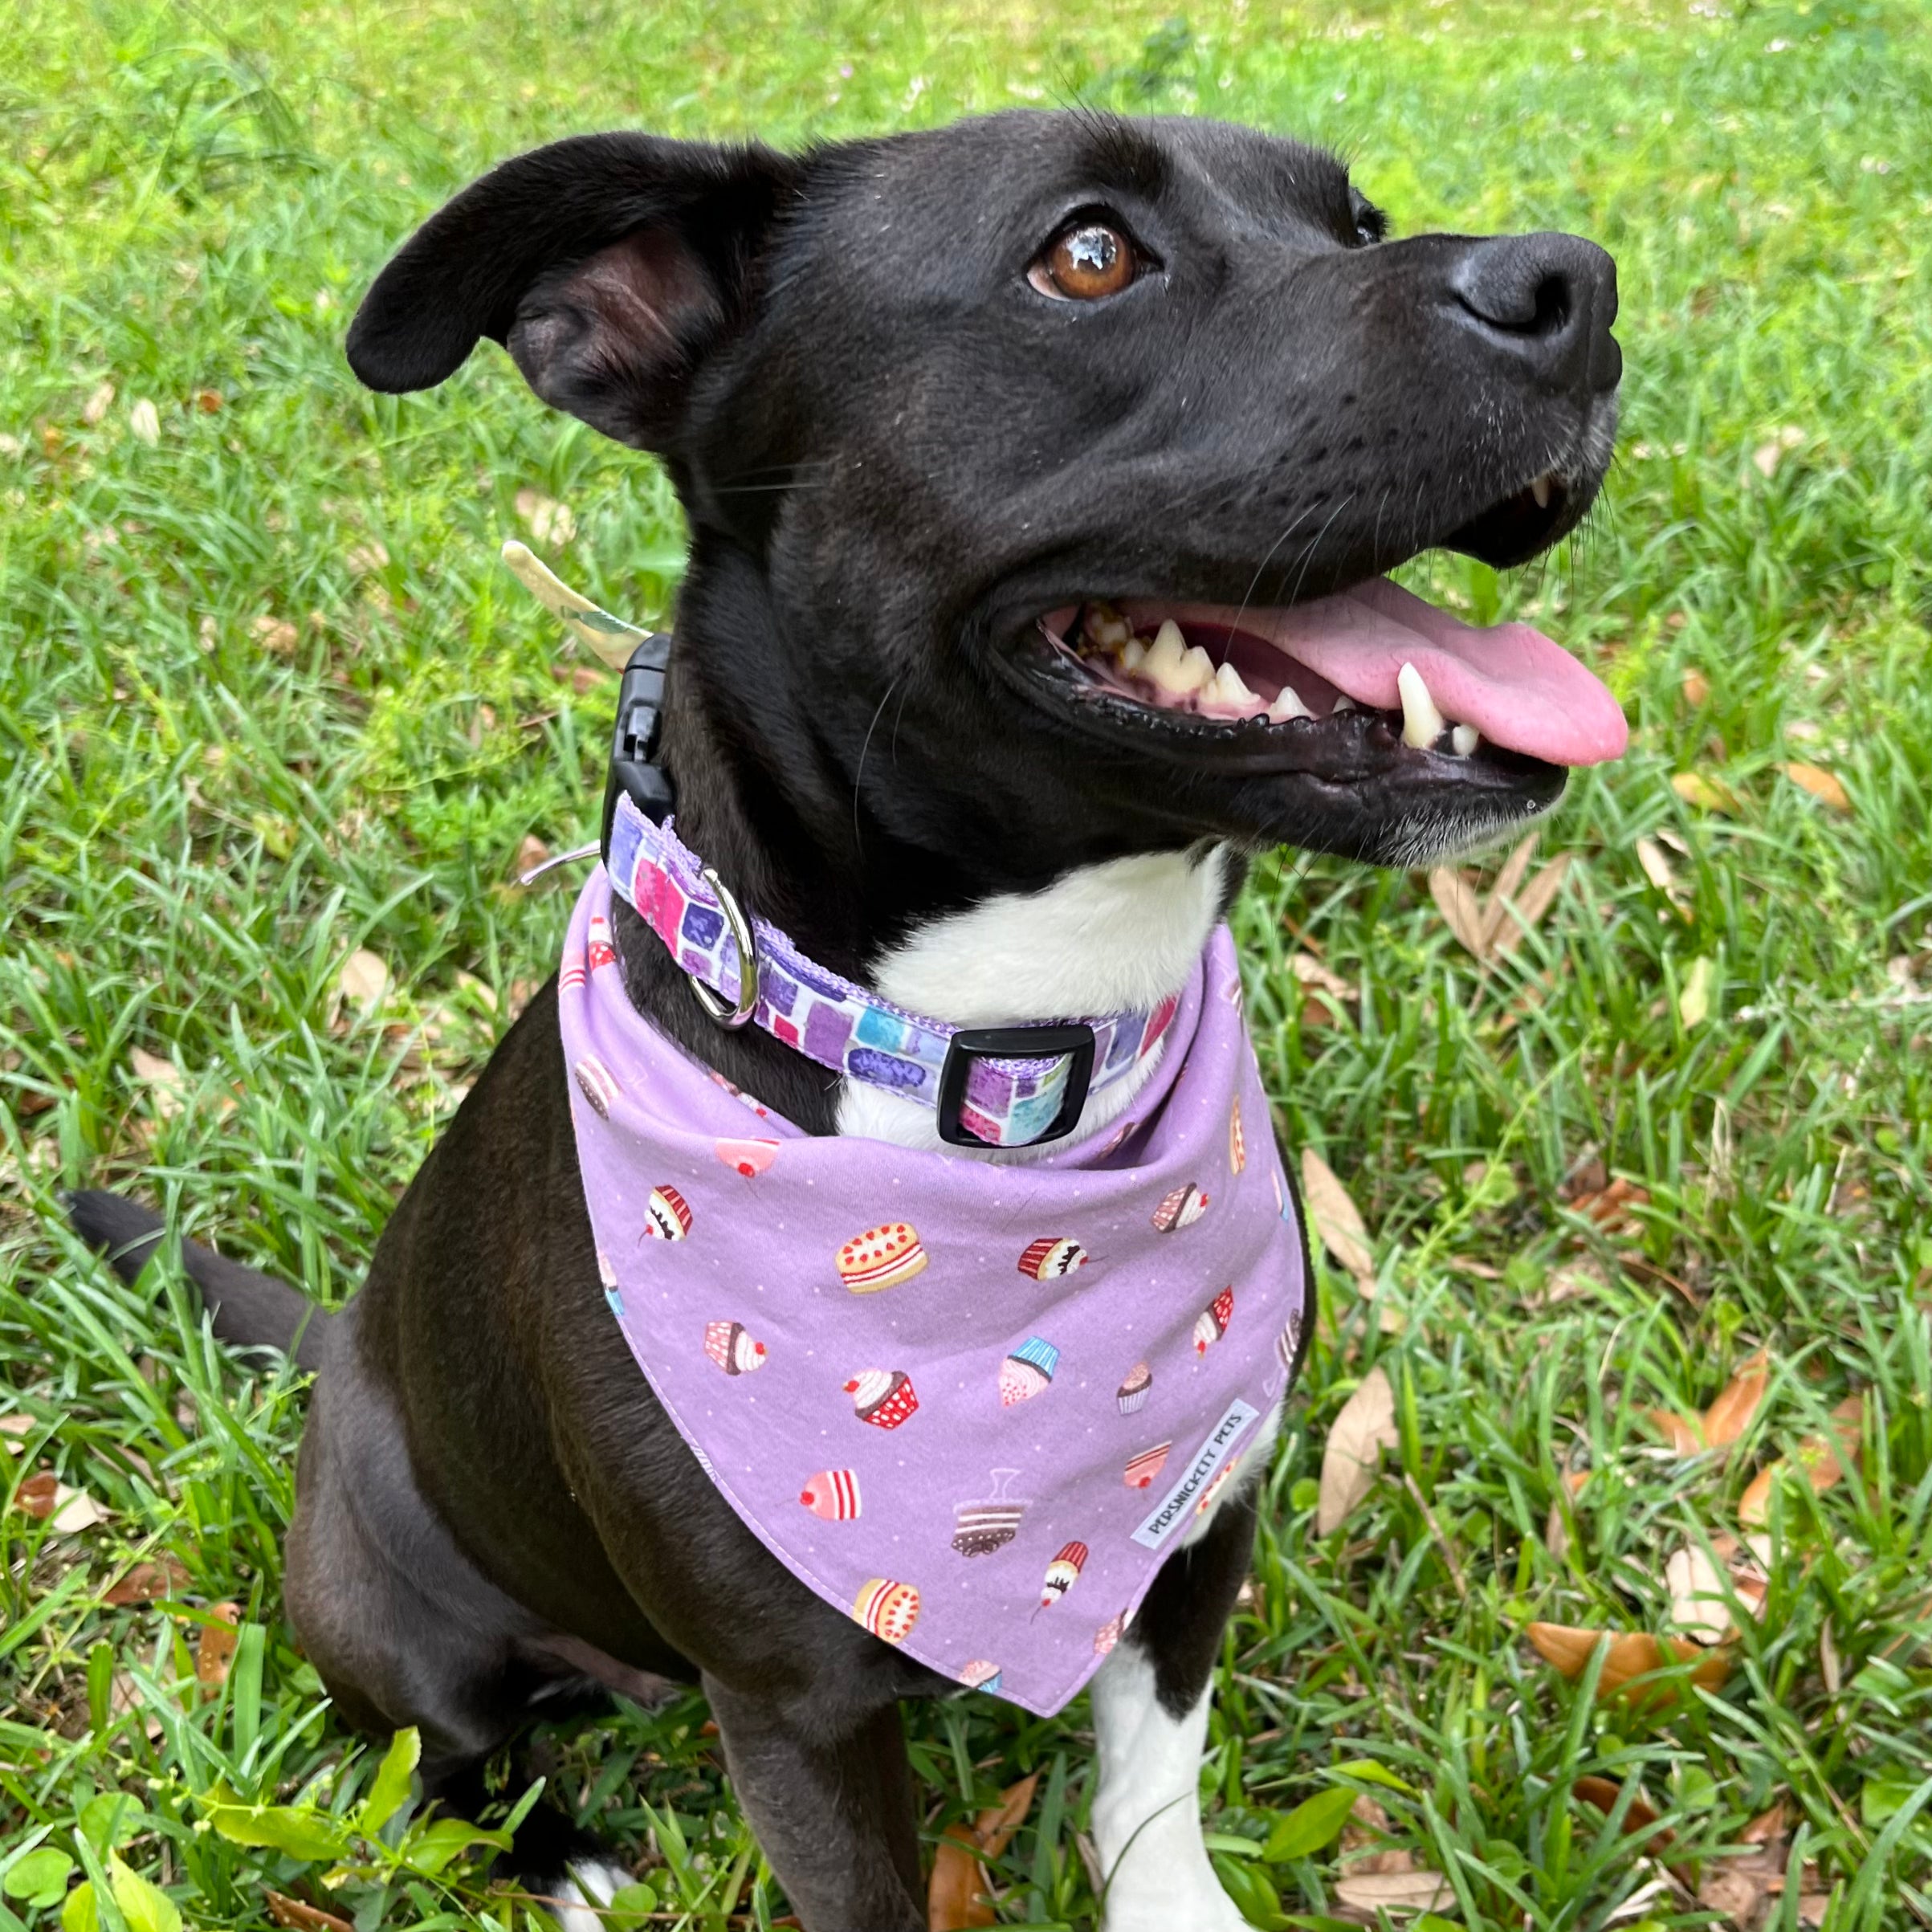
(197, 825)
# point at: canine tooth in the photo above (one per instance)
(1540, 489)
(1161, 666)
(1288, 704)
(1422, 724)
(1229, 689)
(1133, 654)
(1464, 738)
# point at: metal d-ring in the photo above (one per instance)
(716, 1009)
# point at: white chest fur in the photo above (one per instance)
(1107, 938)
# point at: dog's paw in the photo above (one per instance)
(589, 1883)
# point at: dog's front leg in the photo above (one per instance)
(1151, 1721)
(833, 1811)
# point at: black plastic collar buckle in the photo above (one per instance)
(1074, 1043)
(634, 747)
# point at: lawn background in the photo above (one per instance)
(266, 697)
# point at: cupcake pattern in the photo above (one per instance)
(906, 1373)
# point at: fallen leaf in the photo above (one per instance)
(299, 1916)
(1736, 1894)
(217, 1647)
(1730, 1414)
(1629, 1654)
(1694, 996)
(1365, 1427)
(530, 853)
(208, 401)
(1456, 901)
(582, 678)
(361, 981)
(1823, 785)
(65, 1511)
(1610, 1208)
(364, 559)
(1707, 794)
(1602, 1794)
(1337, 1219)
(162, 1078)
(1395, 1891)
(1697, 687)
(98, 404)
(957, 1896)
(1685, 1437)
(144, 420)
(1698, 1603)
(550, 522)
(1767, 1827)
(276, 634)
(1311, 972)
(147, 1582)
(1822, 1459)
(1513, 915)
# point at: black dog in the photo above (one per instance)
(917, 394)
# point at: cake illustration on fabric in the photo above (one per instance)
(1143, 1469)
(1047, 1259)
(666, 1215)
(1132, 1394)
(1027, 1371)
(1211, 1323)
(1288, 1344)
(980, 1674)
(607, 1273)
(598, 949)
(572, 973)
(1118, 1139)
(749, 1158)
(887, 1609)
(1181, 1209)
(1214, 1489)
(833, 1495)
(1062, 1573)
(1237, 1141)
(881, 1257)
(1109, 1633)
(731, 1348)
(981, 1528)
(598, 1084)
(882, 1396)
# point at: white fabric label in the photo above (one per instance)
(1171, 1512)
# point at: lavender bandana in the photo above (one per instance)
(975, 1407)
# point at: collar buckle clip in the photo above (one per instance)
(1074, 1043)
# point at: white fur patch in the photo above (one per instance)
(1107, 938)
(594, 1882)
(1147, 1815)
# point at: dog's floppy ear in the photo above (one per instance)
(608, 265)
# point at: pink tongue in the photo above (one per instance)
(1517, 687)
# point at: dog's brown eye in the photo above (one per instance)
(1085, 262)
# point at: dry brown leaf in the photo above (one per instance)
(1707, 794)
(530, 853)
(274, 633)
(582, 678)
(298, 1916)
(1311, 972)
(1630, 1654)
(1456, 901)
(1610, 1206)
(1698, 1603)
(1730, 1414)
(1337, 1219)
(1395, 1891)
(957, 1896)
(162, 1078)
(1767, 1827)
(1685, 1437)
(208, 402)
(98, 404)
(1602, 1794)
(550, 522)
(216, 1649)
(1812, 1907)
(1697, 687)
(1737, 1894)
(1823, 785)
(1513, 918)
(146, 1583)
(1821, 1459)
(1353, 1453)
(65, 1511)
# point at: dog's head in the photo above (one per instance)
(1042, 471)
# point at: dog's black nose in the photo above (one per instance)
(1549, 299)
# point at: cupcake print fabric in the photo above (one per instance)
(984, 1464)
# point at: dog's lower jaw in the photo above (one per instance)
(1118, 936)
(1147, 1817)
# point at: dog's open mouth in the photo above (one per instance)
(1445, 686)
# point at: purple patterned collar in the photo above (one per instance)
(983, 1084)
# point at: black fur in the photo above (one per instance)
(894, 454)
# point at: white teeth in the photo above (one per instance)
(1106, 626)
(1288, 704)
(1133, 654)
(1463, 739)
(1162, 665)
(1343, 702)
(1228, 689)
(1197, 667)
(1540, 489)
(1422, 724)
